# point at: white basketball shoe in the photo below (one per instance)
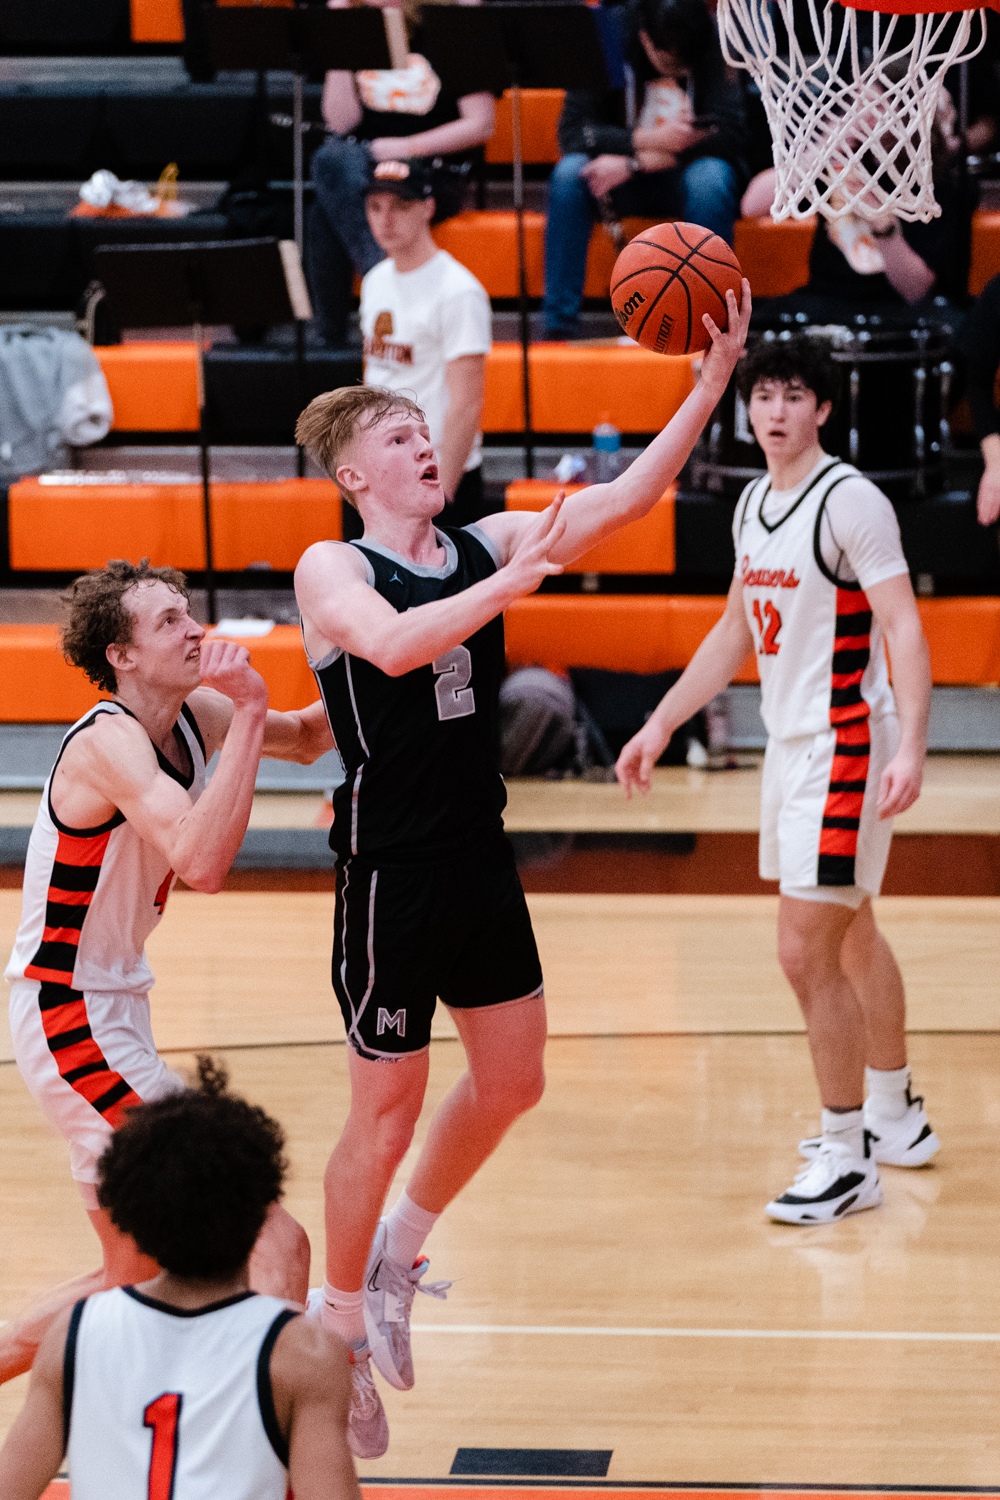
(389, 1293)
(367, 1423)
(909, 1142)
(834, 1183)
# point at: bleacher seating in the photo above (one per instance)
(647, 546)
(626, 633)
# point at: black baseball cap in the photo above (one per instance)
(411, 180)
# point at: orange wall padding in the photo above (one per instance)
(622, 633)
(37, 686)
(573, 387)
(774, 257)
(644, 546)
(540, 111)
(157, 21)
(62, 528)
(154, 387)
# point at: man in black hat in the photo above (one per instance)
(426, 325)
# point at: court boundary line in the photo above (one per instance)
(866, 1335)
(499, 1482)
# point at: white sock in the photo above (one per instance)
(847, 1129)
(887, 1091)
(343, 1314)
(406, 1229)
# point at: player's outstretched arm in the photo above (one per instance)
(30, 1458)
(895, 608)
(601, 509)
(337, 602)
(711, 668)
(311, 1384)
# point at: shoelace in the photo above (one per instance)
(824, 1155)
(439, 1289)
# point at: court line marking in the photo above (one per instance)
(548, 1330)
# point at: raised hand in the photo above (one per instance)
(530, 560)
(225, 666)
(726, 348)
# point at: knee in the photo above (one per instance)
(567, 178)
(389, 1136)
(511, 1096)
(794, 958)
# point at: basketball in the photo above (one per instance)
(665, 279)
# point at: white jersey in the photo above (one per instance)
(92, 896)
(820, 652)
(164, 1404)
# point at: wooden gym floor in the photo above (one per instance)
(617, 1285)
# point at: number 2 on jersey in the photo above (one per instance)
(769, 644)
(163, 1415)
(455, 698)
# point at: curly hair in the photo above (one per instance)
(191, 1177)
(99, 617)
(797, 357)
(330, 421)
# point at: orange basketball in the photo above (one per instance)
(665, 279)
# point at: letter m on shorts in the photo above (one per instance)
(395, 1022)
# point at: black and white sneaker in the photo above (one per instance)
(909, 1142)
(833, 1184)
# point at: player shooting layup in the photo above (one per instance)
(404, 632)
(821, 584)
(124, 810)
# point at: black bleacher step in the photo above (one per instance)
(252, 391)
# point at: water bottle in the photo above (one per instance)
(607, 446)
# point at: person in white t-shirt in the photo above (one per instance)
(821, 585)
(427, 329)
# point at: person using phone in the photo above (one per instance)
(671, 147)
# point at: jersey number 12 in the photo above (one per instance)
(163, 1415)
(768, 633)
(455, 698)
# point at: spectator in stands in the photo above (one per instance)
(426, 324)
(981, 347)
(378, 115)
(683, 157)
(882, 266)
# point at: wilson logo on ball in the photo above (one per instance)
(628, 308)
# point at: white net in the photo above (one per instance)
(850, 98)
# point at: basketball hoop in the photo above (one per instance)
(850, 98)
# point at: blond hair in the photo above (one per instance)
(330, 422)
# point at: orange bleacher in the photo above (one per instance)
(646, 546)
(540, 111)
(622, 633)
(69, 527)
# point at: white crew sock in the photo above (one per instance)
(847, 1129)
(343, 1314)
(406, 1228)
(888, 1092)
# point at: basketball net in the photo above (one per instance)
(850, 122)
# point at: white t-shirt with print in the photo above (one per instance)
(414, 323)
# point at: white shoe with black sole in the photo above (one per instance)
(909, 1142)
(835, 1183)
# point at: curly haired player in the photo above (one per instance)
(821, 585)
(189, 1383)
(125, 809)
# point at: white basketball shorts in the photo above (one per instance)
(86, 1058)
(820, 833)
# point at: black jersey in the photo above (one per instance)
(421, 752)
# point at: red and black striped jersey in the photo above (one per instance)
(820, 652)
(92, 896)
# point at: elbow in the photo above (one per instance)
(208, 882)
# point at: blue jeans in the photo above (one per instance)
(706, 192)
(338, 241)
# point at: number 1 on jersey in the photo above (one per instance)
(163, 1415)
(769, 644)
(455, 699)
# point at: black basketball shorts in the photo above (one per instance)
(406, 935)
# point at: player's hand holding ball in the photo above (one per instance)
(225, 666)
(678, 288)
